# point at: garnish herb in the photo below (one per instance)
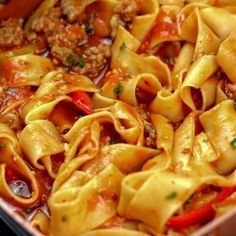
(171, 196)
(88, 28)
(205, 140)
(233, 143)
(2, 145)
(69, 61)
(123, 46)
(118, 89)
(80, 62)
(64, 218)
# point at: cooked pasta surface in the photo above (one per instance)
(118, 117)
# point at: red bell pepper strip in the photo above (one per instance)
(18, 8)
(82, 101)
(200, 215)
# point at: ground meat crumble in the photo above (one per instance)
(149, 131)
(95, 59)
(125, 11)
(11, 33)
(72, 9)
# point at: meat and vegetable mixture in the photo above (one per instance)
(76, 39)
(117, 117)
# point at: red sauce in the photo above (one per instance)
(18, 184)
(165, 27)
(197, 98)
(12, 95)
(22, 187)
(64, 114)
(144, 96)
(57, 160)
(108, 130)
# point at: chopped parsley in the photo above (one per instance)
(233, 143)
(205, 140)
(2, 145)
(80, 62)
(88, 28)
(118, 89)
(64, 218)
(123, 46)
(171, 196)
(69, 61)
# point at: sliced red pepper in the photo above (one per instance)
(82, 101)
(200, 215)
(18, 9)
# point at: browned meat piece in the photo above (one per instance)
(149, 132)
(95, 59)
(72, 9)
(68, 36)
(150, 135)
(127, 9)
(62, 38)
(62, 54)
(11, 33)
(49, 21)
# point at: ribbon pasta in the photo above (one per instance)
(118, 117)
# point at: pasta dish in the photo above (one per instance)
(118, 117)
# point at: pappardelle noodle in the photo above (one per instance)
(118, 117)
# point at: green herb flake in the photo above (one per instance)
(64, 218)
(2, 145)
(69, 61)
(205, 140)
(80, 62)
(171, 196)
(233, 143)
(88, 28)
(123, 46)
(118, 89)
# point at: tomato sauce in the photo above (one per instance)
(165, 27)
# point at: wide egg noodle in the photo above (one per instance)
(183, 143)
(44, 142)
(144, 81)
(198, 73)
(40, 221)
(54, 89)
(125, 119)
(168, 20)
(142, 23)
(85, 207)
(11, 157)
(164, 142)
(25, 70)
(120, 186)
(140, 63)
(227, 54)
(219, 125)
